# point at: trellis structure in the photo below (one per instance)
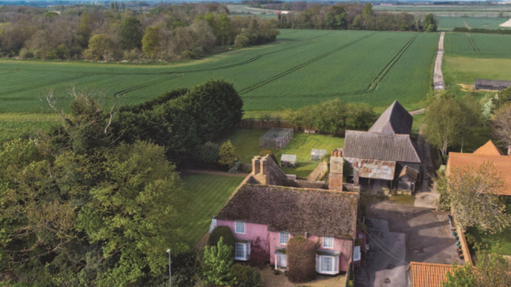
(276, 138)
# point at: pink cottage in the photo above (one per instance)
(272, 208)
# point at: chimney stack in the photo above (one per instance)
(336, 170)
(256, 165)
(509, 149)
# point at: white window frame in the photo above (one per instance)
(334, 261)
(356, 253)
(239, 224)
(327, 246)
(246, 251)
(280, 237)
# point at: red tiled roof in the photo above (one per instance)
(488, 149)
(428, 274)
(502, 164)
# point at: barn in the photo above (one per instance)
(491, 85)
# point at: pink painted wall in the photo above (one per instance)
(270, 240)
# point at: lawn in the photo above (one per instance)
(206, 194)
(465, 70)
(491, 241)
(246, 143)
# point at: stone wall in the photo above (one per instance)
(319, 172)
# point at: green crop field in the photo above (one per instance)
(246, 143)
(449, 23)
(303, 67)
(206, 194)
(470, 56)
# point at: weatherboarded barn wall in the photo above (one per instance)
(373, 168)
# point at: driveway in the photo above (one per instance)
(413, 234)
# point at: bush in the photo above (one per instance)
(241, 40)
(218, 261)
(246, 276)
(224, 232)
(269, 152)
(207, 153)
(227, 155)
(26, 54)
(301, 258)
(259, 255)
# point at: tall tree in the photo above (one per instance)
(473, 196)
(449, 122)
(131, 33)
(501, 125)
(430, 23)
(368, 10)
(150, 41)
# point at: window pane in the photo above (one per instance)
(239, 250)
(328, 242)
(240, 227)
(326, 263)
(284, 237)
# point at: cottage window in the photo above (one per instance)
(356, 253)
(284, 237)
(241, 251)
(328, 242)
(239, 227)
(327, 264)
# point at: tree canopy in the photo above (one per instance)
(78, 208)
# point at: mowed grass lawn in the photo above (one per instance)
(503, 239)
(246, 142)
(206, 194)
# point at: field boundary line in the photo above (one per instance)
(472, 43)
(296, 68)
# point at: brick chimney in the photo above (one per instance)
(509, 149)
(335, 177)
(261, 170)
(256, 165)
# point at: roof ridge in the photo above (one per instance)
(430, 264)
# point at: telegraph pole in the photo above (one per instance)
(170, 270)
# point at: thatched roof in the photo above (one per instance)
(295, 210)
(395, 120)
(368, 145)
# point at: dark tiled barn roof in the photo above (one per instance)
(480, 82)
(295, 210)
(395, 120)
(368, 145)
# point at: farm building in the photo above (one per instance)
(379, 155)
(428, 274)
(276, 138)
(491, 85)
(407, 178)
(271, 207)
(317, 154)
(288, 160)
(487, 153)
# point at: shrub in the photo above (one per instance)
(222, 232)
(241, 40)
(26, 54)
(246, 276)
(218, 261)
(301, 257)
(258, 254)
(269, 152)
(227, 155)
(207, 153)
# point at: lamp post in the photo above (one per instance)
(170, 270)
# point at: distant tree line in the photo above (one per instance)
(481, 30)
(99, 33)
(355, 17)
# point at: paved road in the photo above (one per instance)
(438, 78)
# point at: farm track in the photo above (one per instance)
(375, 82)
(472, 43)
(126, 91)
(296, 68)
